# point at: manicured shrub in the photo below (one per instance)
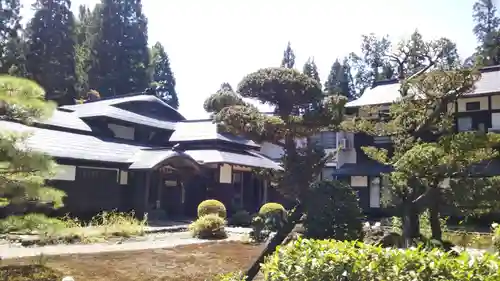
(209, 226)
(212, 206)
(241, 218)
(335, 260)
(274, 215)
(332, 211)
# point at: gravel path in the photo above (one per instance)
(154, 241)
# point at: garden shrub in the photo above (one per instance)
(209, 226)
(212, 206)
(274, 215)
(496, 236)
(259, 230)
(241, 218)
(335, 260)
(332, 211)
(26, 224)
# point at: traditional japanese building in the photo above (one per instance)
(478, 110)
(137, 153)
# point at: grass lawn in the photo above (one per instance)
(192, 262)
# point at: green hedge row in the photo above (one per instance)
(353, 261)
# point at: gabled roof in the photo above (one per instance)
(205, 130)
(74, 146)
(116, 101)
(386, 92)
(122, 115)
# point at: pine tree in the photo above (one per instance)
(86, 30)
(287, 89)
(163, 77)
(310, 69)
(487, 32)
(10, 27)
(288, 60)
(23, 173)
(51, 50)
(339, 81)
(120, 55)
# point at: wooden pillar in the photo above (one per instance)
(142, 183)
(265, 195)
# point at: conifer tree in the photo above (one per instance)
(51, 50)
(487, 31)
(287, 90)
(119, 54)
(288, 60)
(23, 172)
(163, 77)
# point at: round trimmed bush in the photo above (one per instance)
(271, 208)
(212, 206)
(274, 214)
(209, 226)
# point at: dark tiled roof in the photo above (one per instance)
(368, 168)
(124, 115)
(74, 146)
(120, 100)
(389, 92)
(205, 130)
(151, 158)
(248, 158)
(68, 120)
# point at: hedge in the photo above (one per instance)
(354, 261)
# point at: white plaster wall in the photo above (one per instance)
(345, 156)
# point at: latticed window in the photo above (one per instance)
(96, 174)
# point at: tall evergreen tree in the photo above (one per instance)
(311, 69)
(86, 29)
(120, 55)
(487, 31)
(163, 77)
(339, 81)
(10, 18)
(288, 60)
(51, 50)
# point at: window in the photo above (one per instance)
(122, 132)
(495, 120)
(375, 193)
(464, 124)
(473, 105)
(325, 139)
(97, 175)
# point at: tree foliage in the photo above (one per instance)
(420, 163)
(51, 50)
(487, 31)
(10, 27)
(162, 75)
(340, 81)
(288, 60)
(333, 212)
(23, 171)
(119, 53)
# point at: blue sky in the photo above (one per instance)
(210, 42)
